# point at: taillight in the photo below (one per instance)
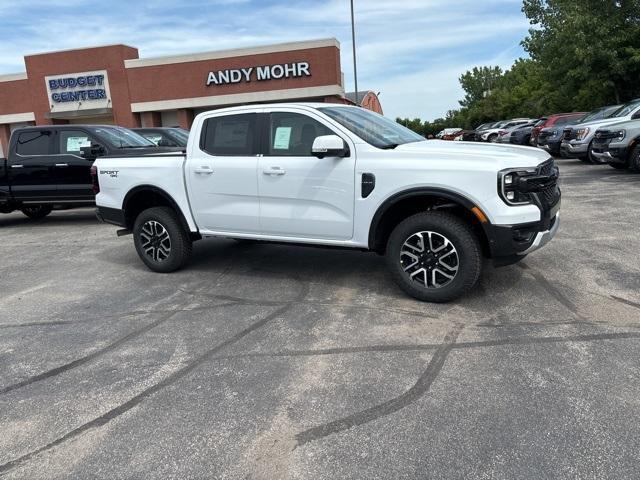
(95, 185)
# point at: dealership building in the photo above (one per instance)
(112, 85)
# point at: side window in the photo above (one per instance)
(232, 135)
(71, 141)
(33, 143)
(292, 134)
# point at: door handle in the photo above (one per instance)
(274, 171)
(17, 166)
(62, 165)
(203, 170)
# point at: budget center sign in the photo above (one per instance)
(78, 91)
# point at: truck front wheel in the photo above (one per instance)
(161, 242)
(434, 257)
(37, 211)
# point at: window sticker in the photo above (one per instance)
(75, 143)
(282, 138)
(154, 138)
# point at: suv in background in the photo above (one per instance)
(164, 136)
(619, 145)
(550, 121)
(577, 140)
(504, 136)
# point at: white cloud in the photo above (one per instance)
(411, 50)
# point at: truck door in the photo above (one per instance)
(31, 166)
(221, 174)
(301, 195)
(72, 171)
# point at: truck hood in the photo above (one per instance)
(603, 122)
(506, 156)
(624, 124)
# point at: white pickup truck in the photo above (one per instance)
(339, 176)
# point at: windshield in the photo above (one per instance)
(374, 129)
(119, 137)
(626, 109)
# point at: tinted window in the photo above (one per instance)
(230, 135)
(70, 141)
(292, 134)
(33, 143)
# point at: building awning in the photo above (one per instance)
(94, 112)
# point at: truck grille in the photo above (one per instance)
(550, 195)
(602, 139)
(569, 134)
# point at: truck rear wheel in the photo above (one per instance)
(160, 240)
(434, 257)
(37, 211)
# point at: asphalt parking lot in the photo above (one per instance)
(267, 361)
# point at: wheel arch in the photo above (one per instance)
(143, 197)
(415, 200)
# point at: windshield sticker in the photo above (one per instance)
(74, 144)
(282, 138)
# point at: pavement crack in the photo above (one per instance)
(169, 380)
(422, 386)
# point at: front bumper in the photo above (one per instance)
(611, 155)
(542, 238)
(575, 148)
(551, 146)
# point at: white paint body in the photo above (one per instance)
(312, 200)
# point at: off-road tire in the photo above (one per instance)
(458, 233)
(35, 212)
(179, 245)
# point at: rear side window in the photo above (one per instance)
(232, 135)
(33, 143)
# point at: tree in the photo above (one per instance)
(478, 83)
(590, 49)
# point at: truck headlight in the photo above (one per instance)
(508, 186)
(582, 133)
(619, 135)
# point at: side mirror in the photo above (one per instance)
(636, 115)
(92, 152)
(329, 146)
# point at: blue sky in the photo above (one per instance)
(412, 51)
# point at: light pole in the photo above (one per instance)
(353, 42)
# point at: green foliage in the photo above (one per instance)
(584, 54)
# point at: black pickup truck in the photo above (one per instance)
(50, 166)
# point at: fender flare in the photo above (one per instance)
(157, 191)
(417, 192)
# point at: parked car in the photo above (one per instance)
(448, 133)
(550, 137)
(619, 145)
(504, 136)
(484, 127)
(164, 136)
(522, 134)
(551, 121)
(465, 136)
(50, 165)
(491, 135)
(340, 176)
(577, 140)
